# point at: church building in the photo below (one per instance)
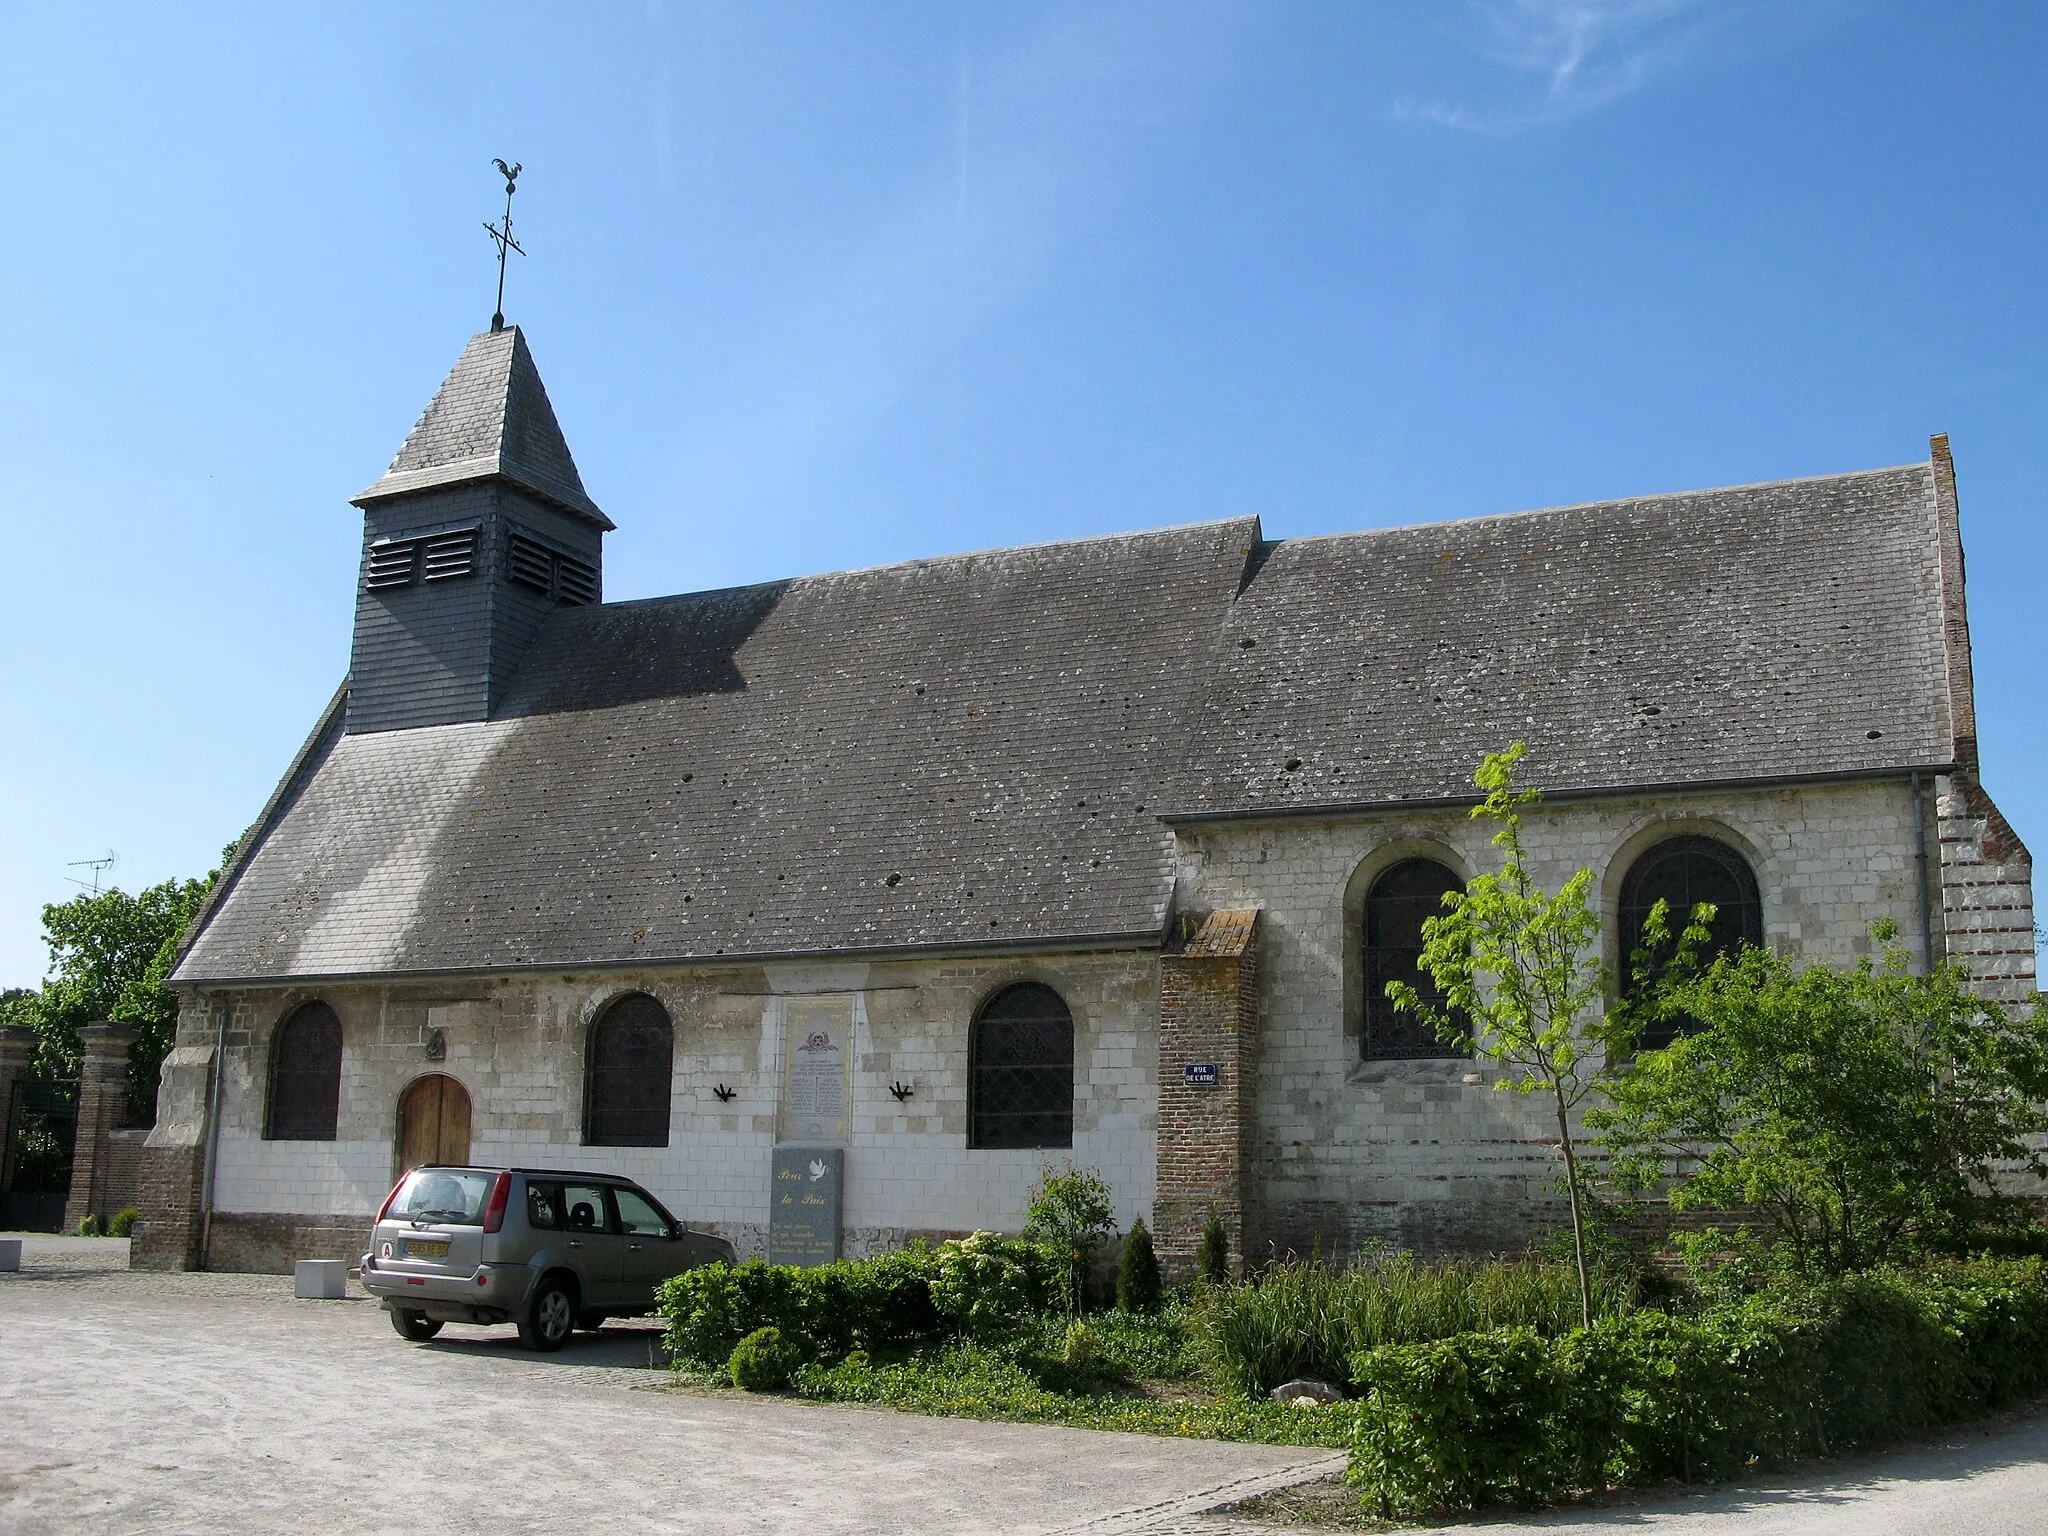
(1101, 850)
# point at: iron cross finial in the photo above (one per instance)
(502, 235)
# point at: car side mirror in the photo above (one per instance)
(675, 1231)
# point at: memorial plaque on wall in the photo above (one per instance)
(803, 1206)
(819, 1031)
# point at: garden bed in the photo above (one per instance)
(1467, 1384)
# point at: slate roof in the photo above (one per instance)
(490, 420)
(979, 749)
(1784, 630)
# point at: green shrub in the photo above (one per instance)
(123, 1222)
(1070, 1212)
(90, 1227)
(1797, 1370)
(1309, 1319)
(1137, 1271)
(1212, 1257)
(986, 1285)
(762, 1362)
(823, 1311)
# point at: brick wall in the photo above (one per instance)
(172, 1166)
(1208, 1017)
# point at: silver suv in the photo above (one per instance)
(549, 1251)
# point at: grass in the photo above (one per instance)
(1013, 1381)
(1307, 1319)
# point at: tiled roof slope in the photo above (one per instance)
(1790, 629)
(490, 420)
(744, 772)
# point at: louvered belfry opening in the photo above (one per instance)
(1683, 872)
(552, 573)
(305, 1076)
(1401, 900)
(628, 1075)
(394, 563)
(1022, 1070)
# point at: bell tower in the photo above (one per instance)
(478, 530)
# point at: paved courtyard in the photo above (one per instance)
(216, 1403)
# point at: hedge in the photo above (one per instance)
(1510, 1416)
(977, 1286)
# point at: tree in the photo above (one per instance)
(110, 954)
(1137, 1271)
(1071, 1212)
(1852, 1112)
(1521, 981)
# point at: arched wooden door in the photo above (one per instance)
(433, 1123)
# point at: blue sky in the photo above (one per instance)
(816, 286)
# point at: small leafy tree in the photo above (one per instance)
(1852, 1112)
(1071, 1212)
(1212, 1257)
(110, 954)
(1520, 980)
(1137, 1271)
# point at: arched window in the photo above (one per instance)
(627, 1075)
(1023, 1070)
(1395, 909)
(1683, 872)
(305, 1076)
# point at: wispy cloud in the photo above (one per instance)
(1571, 57)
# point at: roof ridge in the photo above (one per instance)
(932, 560)
(1605, 501)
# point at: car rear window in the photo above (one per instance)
(452, 1195)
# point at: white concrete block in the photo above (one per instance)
(320, 1279)
(10, 1254)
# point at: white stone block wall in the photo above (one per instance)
(1430, 1154)
(516, 1044)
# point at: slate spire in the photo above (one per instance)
(475, 535)
(489, 421)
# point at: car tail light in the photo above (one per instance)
(494, 1213)
(385, 1208)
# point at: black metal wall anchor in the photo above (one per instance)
(725, 1095)
(902, 1091)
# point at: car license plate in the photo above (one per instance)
(426, 1247)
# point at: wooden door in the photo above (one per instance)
(433, 1123)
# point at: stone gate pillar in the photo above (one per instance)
(102, 1107)
(1208, 1084)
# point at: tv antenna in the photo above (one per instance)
(98, 868)
(501, 235)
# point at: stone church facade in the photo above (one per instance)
(1099, 851)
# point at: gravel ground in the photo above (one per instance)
(217, 1403)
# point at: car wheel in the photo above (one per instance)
(550, 1317)
(416, 1326)
(590, 1322)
